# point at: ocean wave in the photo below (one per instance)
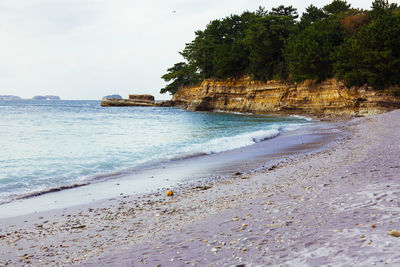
(222, 144)
(292, 127)
(213, 146)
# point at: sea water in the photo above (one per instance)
(55, 144)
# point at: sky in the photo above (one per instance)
(86, 49)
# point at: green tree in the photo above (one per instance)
(265, 39)
(372, 55)
(337, 7)
(181, 74)
(282, 10)
(313, 14)
(308, 53)
(218, 51)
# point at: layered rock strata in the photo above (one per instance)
(142, 97)
(328, 98)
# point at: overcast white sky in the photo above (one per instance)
(86, 49)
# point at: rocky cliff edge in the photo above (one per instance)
(328, 98)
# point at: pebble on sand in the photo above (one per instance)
(170, 193)
(394, 233)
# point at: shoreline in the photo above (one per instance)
(66, 176)
(169, 174)
(333, 206)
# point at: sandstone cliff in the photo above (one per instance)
(329, 98)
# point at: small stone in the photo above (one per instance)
(170, 193)
(394, 233)
(214, 250)
(362, 236)
(78, 227)
(373, 225)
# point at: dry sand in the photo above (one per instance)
(333, 207)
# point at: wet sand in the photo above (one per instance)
(334, 206)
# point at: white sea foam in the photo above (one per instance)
(232, 112)
(301, 117)
(233, 142)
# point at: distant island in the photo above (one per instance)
(112, 97)
(9, 97)
(46, 97)
(38, 97)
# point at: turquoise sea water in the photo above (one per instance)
(49, 144)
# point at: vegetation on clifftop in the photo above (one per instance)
(353, 45)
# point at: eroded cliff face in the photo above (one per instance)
(329, 98)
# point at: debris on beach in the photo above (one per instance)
(170, 193)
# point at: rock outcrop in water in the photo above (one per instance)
(134, 100)
(142, 97)
(328, 98)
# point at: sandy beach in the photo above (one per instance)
(336, 206)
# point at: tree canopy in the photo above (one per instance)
(336, 40)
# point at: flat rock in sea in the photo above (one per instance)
(134, 100)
